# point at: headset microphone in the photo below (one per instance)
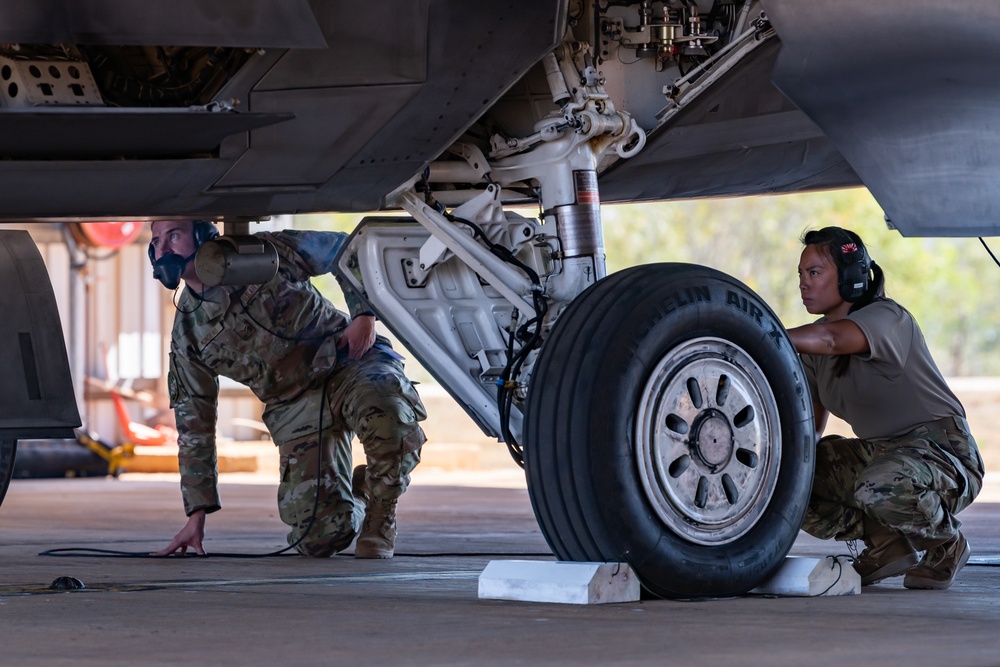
(168, 269)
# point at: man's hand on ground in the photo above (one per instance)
(190, 536)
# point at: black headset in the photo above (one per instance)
(202, 230)
(853, 265)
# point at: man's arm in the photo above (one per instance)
(306, 254)
(829, 338)
(194, 394)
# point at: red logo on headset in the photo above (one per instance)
(849, 248)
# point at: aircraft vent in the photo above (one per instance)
(40, 83)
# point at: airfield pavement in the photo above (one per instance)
(422, 607)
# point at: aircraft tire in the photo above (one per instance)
(8, 448)
(669, 426)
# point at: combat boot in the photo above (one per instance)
(378, 534)
(887, 554)
(940, 565)
(359, 483)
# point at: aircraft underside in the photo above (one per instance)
(685, 450)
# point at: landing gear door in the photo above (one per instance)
(36, 390)
(451, 320)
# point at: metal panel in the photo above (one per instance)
(370, 44)
(352, 142)
(330, 125)
(246, 23)
(907, 91)
(742, 136)
(36, 391)
(107, 133)
(472, 53)
(106, 189)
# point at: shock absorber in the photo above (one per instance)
(579, 224)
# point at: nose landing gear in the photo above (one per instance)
(669, 427)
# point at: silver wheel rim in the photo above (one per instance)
(708, 441)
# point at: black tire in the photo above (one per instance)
(8, 448)
(656, 385)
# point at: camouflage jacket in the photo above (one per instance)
(279, 339)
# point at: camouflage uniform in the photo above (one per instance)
(915, 483)
(280, 339)
(899, 484)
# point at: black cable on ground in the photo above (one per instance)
(87, 552)
(91, 552)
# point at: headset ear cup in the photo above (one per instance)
(853, 266)
(853, 282)
(203, 231)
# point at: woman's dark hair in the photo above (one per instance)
(832, 238)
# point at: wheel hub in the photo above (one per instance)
(708, 441)
(713, 438)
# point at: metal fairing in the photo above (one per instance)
(306, 106)
(394, 85)
(249, 23)
(450, 319)
(913, 113)
(36, 392)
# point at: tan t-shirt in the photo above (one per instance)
(892, 390)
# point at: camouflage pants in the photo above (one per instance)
(373, 399)
(914, 484)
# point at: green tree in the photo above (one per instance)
(951, 285)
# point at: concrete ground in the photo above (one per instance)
(420, 608)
